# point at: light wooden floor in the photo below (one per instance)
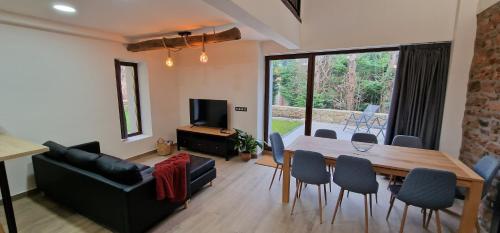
(239, 202)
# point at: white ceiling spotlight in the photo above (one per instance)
(64, 8)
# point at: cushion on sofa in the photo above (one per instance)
(56, 151)
(81, 159)
(118, 170)
(200, 165)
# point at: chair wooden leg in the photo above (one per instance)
(424, 215)
(330, 178)
(348, 194)
(274, 174)
(300, 189)
(428, 219)
(371, 213)
(438, 221)
(366, 214)
(376, 198)
(391, 204)
(281, 172)
(320, 206)
(295, 198)
(324, 189)
(339, 200)
(401, 228)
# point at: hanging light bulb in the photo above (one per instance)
(203, 56)
(169, 62)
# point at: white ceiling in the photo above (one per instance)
(130, 18)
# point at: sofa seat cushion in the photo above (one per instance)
(81, 159)
(118, 170)
(200, 165)
(56, 151)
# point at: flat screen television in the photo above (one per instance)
(209, 113)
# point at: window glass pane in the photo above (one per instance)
(129, 99)
(288, 92)
(352, 92)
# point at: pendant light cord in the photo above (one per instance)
(203, 42)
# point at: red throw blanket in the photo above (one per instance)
(171, 178)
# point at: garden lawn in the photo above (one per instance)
(283, 126)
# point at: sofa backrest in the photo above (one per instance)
(88, 157)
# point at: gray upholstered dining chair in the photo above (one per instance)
(403, 141)
(367, 138)
(327, 133)
(356, 175)
(309, 168)
(428, 189)
(278, 149)
(487, 167)
(364, 137)
(407, 141)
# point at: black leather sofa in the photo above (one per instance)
(112, 192)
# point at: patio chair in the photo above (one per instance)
(364, 118)
(378, 126)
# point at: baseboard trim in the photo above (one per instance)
(142, 155)
(28, 193)
(151, 152)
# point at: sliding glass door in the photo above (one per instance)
(347, 91)
(287, 97)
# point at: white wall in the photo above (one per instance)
(334, 24)
(232, 73)
(63, 88)
(456, 90)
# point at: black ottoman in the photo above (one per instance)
(202, 172)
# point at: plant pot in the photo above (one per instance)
(245, 156)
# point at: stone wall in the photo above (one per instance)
(481, 124)
(319, 115)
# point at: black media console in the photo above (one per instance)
(207, 140)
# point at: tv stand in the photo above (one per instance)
(214, 141)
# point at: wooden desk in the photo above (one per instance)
(393, 160)
(11, 148)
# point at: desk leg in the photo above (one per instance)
(7, 201)
(471, 207)
(286, 177)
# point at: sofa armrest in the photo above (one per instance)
(91, 147)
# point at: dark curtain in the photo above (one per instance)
(419, 92)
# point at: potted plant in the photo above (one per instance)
(246, 144)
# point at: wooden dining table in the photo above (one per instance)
(397, 161)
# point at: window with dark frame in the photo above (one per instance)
(127, 84)
(308, 62)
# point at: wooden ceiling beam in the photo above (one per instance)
(178, 42)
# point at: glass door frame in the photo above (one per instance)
(311, 63)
